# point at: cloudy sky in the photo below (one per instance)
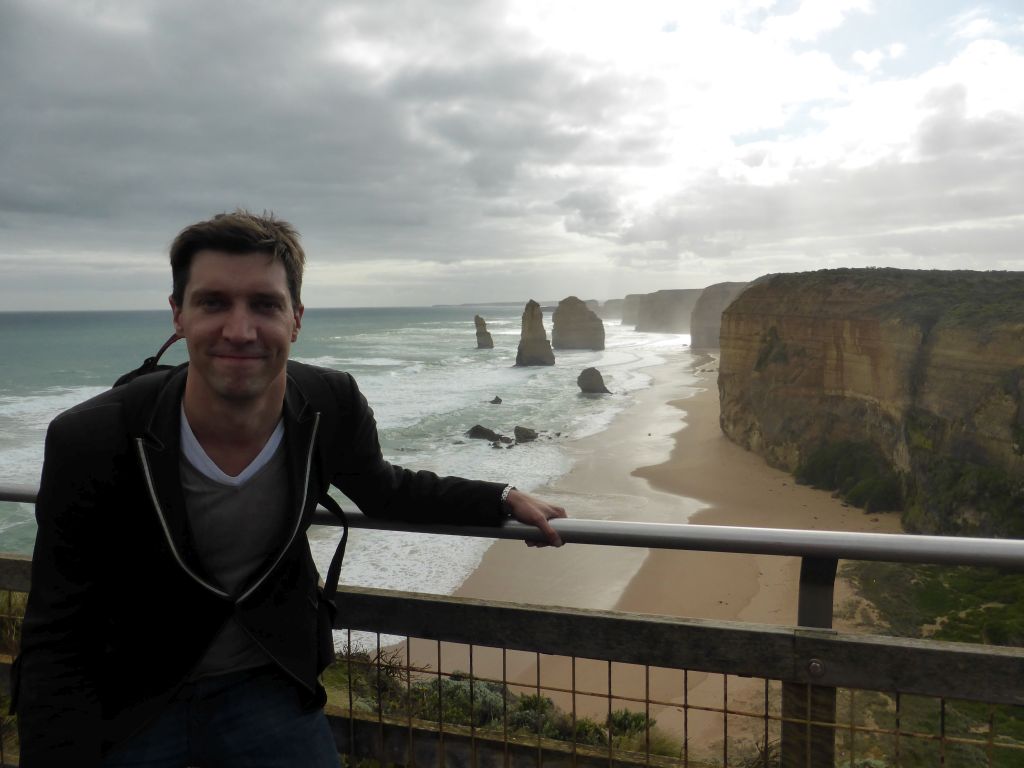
(453, 151)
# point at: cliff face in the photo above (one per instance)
(631, 308)
(611, 309)
(666, 311)
(575, 326)
(922, 370)
(706, 318)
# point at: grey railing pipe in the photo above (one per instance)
(885, 547)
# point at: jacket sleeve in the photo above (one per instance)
(381, 489)
(54, 690)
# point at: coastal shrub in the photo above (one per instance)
(590, 733)
(8, 731)
(12, 613)
(455, 700)
(766, 755)
(858, 471)
(536, 714)
(623, 722)
(974, 605)
(961, 496)
(371, 680)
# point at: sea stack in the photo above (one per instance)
(576, 326)
(534, 348)
(483, 336)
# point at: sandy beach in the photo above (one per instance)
(664, 459)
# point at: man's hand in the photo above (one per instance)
(532, 511)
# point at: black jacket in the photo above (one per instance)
(120, 609)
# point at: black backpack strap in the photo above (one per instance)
(322, 399)
(150, 364)
(334, 571)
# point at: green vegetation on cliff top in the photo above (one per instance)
(927, 297)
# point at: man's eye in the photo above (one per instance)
(210, 302)
(267, 306)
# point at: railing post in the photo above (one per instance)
(804, 744)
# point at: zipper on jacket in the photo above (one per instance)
(298, 519)
(163, 522)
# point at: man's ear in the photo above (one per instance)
(297, 317)
(176, 317)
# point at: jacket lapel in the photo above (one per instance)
(299, 420)
(162, 444)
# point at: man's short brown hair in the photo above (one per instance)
(238, 232)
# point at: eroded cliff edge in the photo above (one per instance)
(902, 383)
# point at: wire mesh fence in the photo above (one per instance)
(439, 703)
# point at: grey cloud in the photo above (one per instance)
(959, 198)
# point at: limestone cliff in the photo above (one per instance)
(611, 309)
(706, 318)
(883, 377)
(667, 311)
(534, 348)
(631, 308)
(575, 326)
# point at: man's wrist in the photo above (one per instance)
(505, 506)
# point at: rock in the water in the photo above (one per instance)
(483, 336)
(575, 326)
(534, 348)
(590, 381)
(525, 434)
(478, 432)
(496, 400)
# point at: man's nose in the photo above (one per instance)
(239, 326)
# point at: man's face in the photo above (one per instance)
(238, 320)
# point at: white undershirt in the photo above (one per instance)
(198, 458)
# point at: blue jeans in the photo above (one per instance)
(248, 719)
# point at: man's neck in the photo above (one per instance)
(232, 432)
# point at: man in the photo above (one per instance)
(174, 617)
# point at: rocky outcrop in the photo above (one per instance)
(480, 432)
(534, 348)
(706, 318)
(903, 387)
(631, 308)
(591, 382)
(483, 336)
(575, 326)
(667, 311)
(524, 434)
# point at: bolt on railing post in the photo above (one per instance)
(804, 744)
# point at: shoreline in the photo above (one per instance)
(665, 459)
(662, 459)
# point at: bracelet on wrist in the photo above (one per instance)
(505, 506)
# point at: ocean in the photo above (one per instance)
(418, 367)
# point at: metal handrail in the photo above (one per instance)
(886, 547)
